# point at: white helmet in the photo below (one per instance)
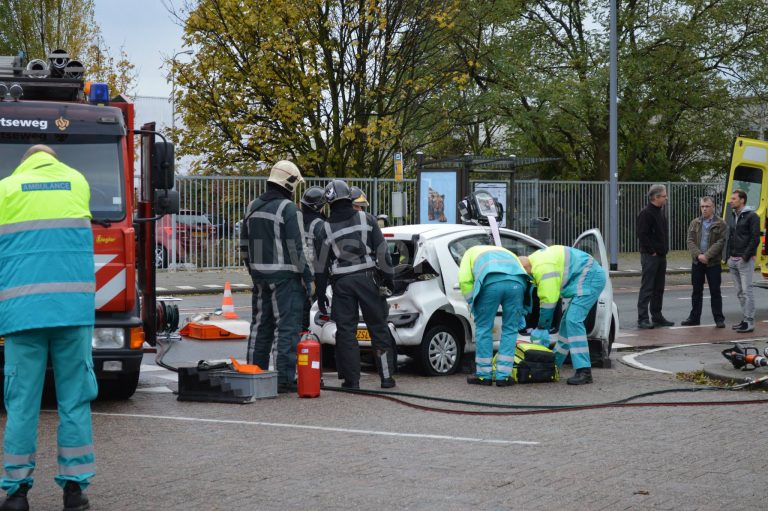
(285, 174)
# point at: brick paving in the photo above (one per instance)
(631, 458)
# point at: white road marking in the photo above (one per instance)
(317, 428)
(706, 297)
(146, 368)
(213, 286)
(155, 390)
(709, 325)
(185, 287)
(631, 361)
(625, 334)
(160, 289)
(240, 285)
(619, 346)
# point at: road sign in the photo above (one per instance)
(398, 167)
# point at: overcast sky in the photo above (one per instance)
(146, 31)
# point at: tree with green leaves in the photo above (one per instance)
(36, 28)
(336, 85)
(685, 67)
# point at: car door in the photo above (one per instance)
(592, 243)
(450, 258)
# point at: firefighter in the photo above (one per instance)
(354, 254)
(359, 199)
(490, 276)
(47, 309)
(312, 203)
(568, 272)
(272, 243)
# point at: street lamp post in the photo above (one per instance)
(172, 262)
(173, 85)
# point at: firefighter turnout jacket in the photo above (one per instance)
(46, 274)
(351, 242)
(272, 238)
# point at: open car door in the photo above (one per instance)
(598, 322)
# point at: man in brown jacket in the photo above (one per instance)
(706, 239)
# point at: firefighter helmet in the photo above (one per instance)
(314, 198)
(358, 197)
(285, 174)
(336, 190)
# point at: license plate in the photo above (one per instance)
(363, 334)
(198, 234)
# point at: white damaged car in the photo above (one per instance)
(428, 316)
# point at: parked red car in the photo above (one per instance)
(194, 231)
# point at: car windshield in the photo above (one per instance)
(97, 157)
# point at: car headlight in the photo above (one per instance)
(108, 338)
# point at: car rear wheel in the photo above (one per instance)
(440, 351)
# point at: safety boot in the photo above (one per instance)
(17, 501)
(386, 361)
(582, 376)
(74, 499)
(477, 380)
(505, 382)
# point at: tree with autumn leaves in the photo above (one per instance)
(340, 85)
(37, 28)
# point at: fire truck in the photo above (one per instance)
(48, 102)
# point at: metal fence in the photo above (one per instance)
(572, 207)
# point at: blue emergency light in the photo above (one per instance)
(99, 93)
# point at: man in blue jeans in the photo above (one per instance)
(47, 307)
(743, 240)
(490, 276)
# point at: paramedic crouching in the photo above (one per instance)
(566, 271)
(490, 276)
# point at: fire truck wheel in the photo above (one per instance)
(120, 389)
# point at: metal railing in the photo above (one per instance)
(572, 207)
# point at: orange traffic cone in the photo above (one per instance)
(227, 305)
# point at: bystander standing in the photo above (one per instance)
(743, 240)
(653, 234)
(706, 239)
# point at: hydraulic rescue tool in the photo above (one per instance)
(742, 357)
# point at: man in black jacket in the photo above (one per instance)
(743, 240)
(353, 249)
(652, 232)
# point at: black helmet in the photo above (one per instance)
(336, 190)
(314, 198)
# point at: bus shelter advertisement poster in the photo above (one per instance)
(437, 197)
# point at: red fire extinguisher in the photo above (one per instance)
(308, 365)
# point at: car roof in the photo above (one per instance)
(431, 231)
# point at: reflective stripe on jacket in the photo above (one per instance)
(352, 251)
(46, 247)
(480, 261)
(558, 270)
(273, 233)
